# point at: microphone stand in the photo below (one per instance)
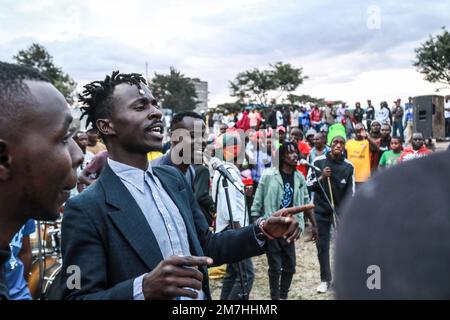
(326, 197)
(244, 294)
(41, 260)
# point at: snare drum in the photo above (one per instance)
(50, 239)
(50, 289)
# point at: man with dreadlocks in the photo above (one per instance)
(138, 232)
(38, 158)
(282, 186)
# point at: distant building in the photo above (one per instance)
(201, 89)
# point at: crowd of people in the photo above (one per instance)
(143, 220)
(347, 147)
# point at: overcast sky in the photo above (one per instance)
(351, 50)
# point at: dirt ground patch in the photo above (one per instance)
(304, 283)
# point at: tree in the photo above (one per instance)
(304, 98)
(174, 90)
(37, 57)
(433, 58)
(258, 86)
(233, 107)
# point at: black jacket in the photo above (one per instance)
(358, 115)
(342, 183)
(272, 119)
(4, 256)
(201, 192)
(106, 235)
(370, 113)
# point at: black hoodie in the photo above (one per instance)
(342, 183)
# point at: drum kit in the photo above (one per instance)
(47, 260)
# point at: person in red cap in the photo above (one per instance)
(303, 148)
(228, 148)
(281, 136)
(259, 154)
(249, 190)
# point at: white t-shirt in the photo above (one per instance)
(279, 118)
(253, 116)
(227, 119)
(294, 118)
(340, 114)
(447, 106)
(237, 200)
(167, 120)
(383, 116)
(88, 156)
(217, 117)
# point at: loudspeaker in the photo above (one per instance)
(429, 116)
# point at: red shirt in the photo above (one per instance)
(316, 115)
(305, 150)
(375, 156)
(344, 120)
(411, 154)
(244, 123)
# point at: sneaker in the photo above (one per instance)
(323, 287)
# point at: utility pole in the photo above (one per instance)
(146, 70)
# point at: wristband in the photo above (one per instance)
(261, 225)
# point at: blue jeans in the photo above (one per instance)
(398, 125)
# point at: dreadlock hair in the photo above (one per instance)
(15, 96)
(96, 96)
(282, 150)
(178, 117)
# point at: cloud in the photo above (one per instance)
(216, 40)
